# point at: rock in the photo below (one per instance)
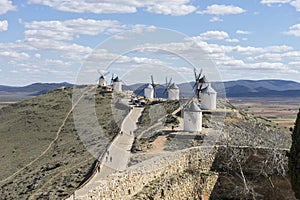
(294, 158)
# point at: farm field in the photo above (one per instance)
(280, 110)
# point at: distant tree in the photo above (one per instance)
(294, 158)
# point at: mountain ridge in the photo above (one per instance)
(238, 88)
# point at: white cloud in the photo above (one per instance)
(279, 48)
(48, 34)
(266, 57)
(294, 30)
(271, 57)
(5, 6)
(222, 10)
(175, 7)
(274, 1)
(212, 35)
(56, 46)
(56, 63)
(232, 40)
(294, 63)
(241, 32)
(167, 8)
(37, 55)
(216, 19)
(3, 25)
(267, 66)
(67, 30)
(14, 55)
(296, 4)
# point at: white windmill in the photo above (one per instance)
(154, 86)
(116, 84)
(149, 91)
(102, 80)
(192, 117)
(205, 92)
(199, 82)
(208, 98)
(172, 89)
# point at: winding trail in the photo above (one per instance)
(117, 155)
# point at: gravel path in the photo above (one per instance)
(117, 156)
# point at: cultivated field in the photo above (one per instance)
(280, 110)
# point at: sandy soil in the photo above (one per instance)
(158, 145)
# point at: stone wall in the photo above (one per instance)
(202, 159)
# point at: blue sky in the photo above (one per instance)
(51, 40)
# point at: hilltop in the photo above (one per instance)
(42, 155)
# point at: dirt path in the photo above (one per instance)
(158, 144)
(117, 155)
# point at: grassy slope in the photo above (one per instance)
(27, 129)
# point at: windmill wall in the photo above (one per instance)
(192, 121)
(102, 82)
(149, 93)
(117, 86)
(208, 101)
(173, 94)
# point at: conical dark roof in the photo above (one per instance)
(209, 90)
(192, 107)
(116, 79)
(149, 86)
(173, 86)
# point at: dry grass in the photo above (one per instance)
(27, 129)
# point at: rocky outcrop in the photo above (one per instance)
(294, 158)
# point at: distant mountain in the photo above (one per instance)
(262, 88)
(31, 90)
(239, 88)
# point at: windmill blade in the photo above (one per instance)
(106, 73)
(99, 72)
(195, 85)
(152, 81)
(154, 92)
(199, 77)
(112, 79)
(201, 70)
(195, 73)
(166, 81)
(141, 90)
(165, 91)
(170, 82)
(166, 88)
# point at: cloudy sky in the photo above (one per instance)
(51, 40)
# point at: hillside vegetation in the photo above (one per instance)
(42, 156)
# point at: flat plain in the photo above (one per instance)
(279, 110)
